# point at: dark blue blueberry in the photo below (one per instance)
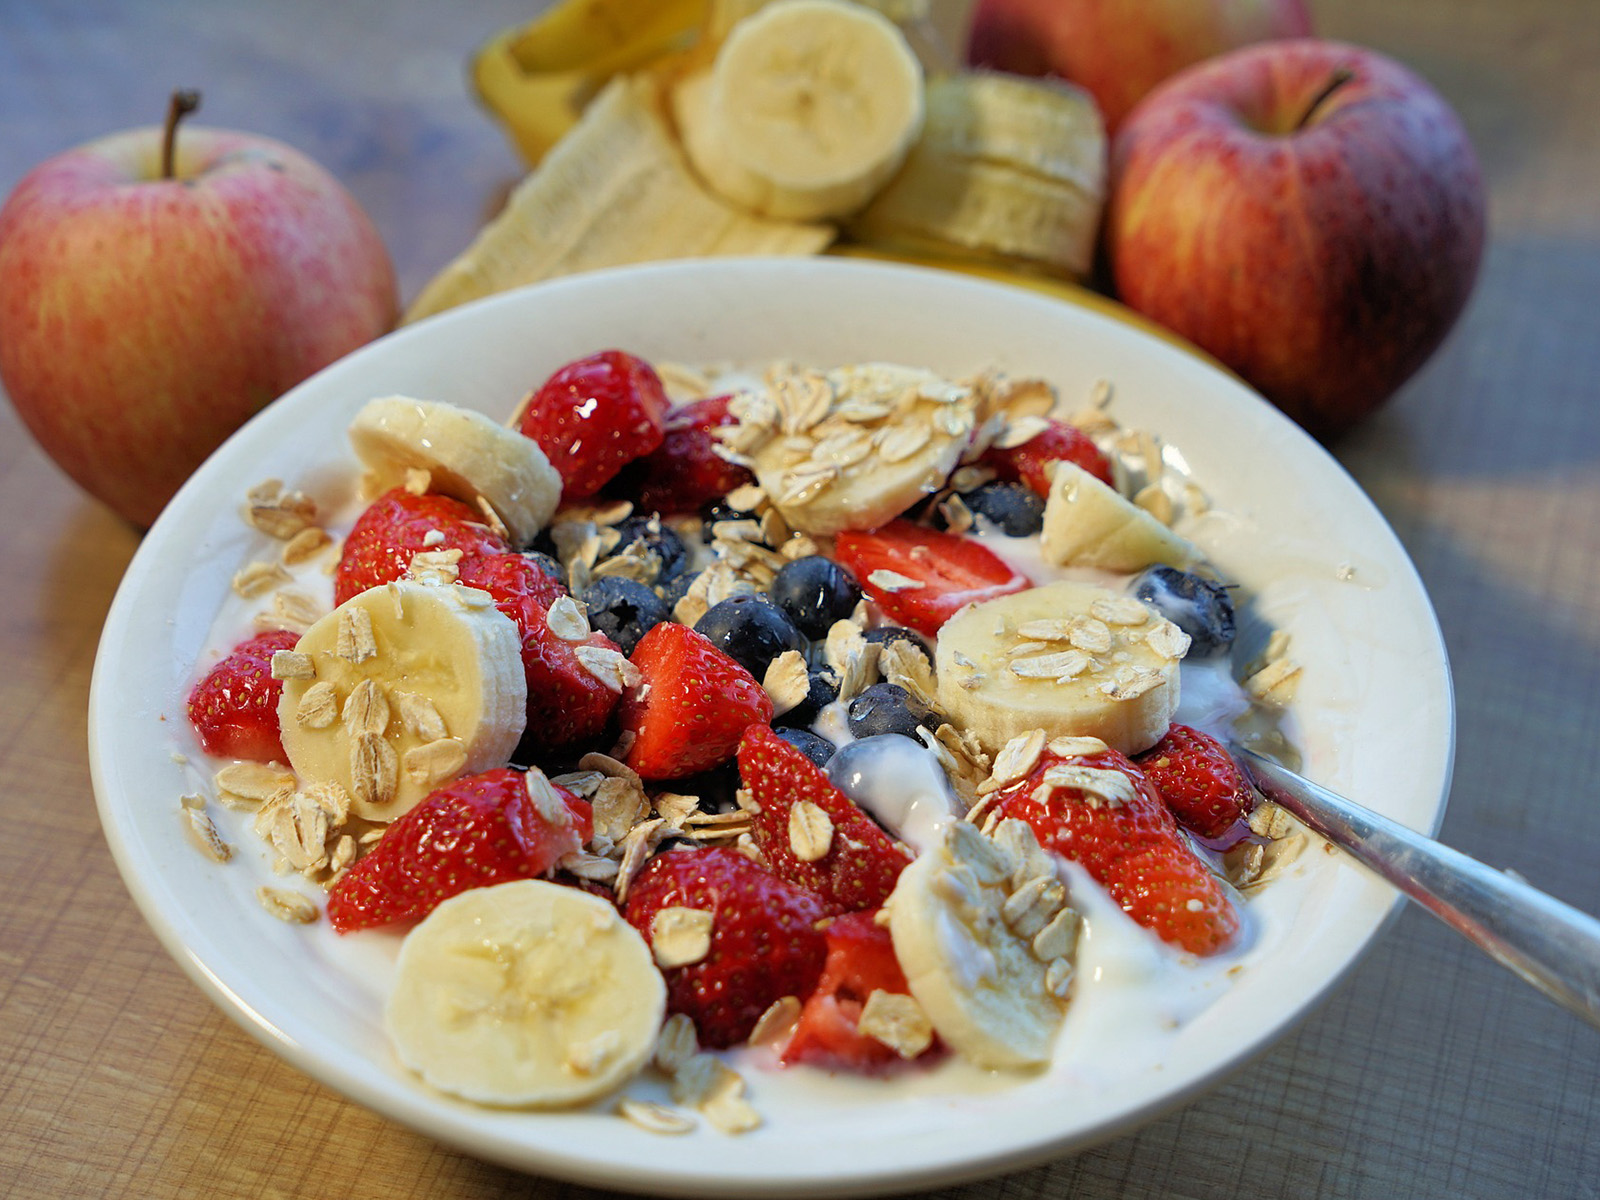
(889, 708)
(818, 749)
(750, 630)
(885, 634)
(815, 592)
(661, 540)
(1015, 508)
(548, 565)
(713, 511)
(1199, 607)
(822, 689)
(624, 609)
(676, 588)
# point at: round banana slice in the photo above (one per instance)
(1072, 659)
(526, 994)
(986, 938)
(853, 447)
(810, 108)
(1087, 524)
(400, 689)
(466, 455)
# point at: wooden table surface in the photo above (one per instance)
(1429, 1072)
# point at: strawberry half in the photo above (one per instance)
(1034, 461)
(594, 416)
(684, 471)
(945, 572)
(693, 705)
(1199, 781)
(860, 961)
(234, 708)
(1128, 842)
(862, 863)
(477, 831)
(764, 940)
(395, 527)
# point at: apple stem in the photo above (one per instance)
(184, 101)
(1339, 78)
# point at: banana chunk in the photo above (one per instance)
(852, 447)
(1072, 659)
(526, 994)
(984, 932)
(411, 685)
(466, 455)
(1087, 524)
(810, 107)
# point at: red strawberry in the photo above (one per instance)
(764, 940)
(396, 526)
(1130, 845)
(234, 708)
(952, 571)
(594, 416)
(860, 961)
(1199, 780)
(512, 578)
(684, 471)
(477, 831)
(1033, 462)
(692, 707)
(862, 863)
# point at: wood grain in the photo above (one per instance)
(1428, 1072)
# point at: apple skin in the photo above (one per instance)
(1323, 264)
(1119, 49)
(143, 319)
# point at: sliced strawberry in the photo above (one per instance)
(692, 707)
(477, 831)
(764, 940)
(862, 862)
(1034, 461)
(945, 571)
(396, 526)
(234, 708)
(684, 471)
(512, 578)
(1199, 781)
(1129, 843)
(594, 416)
(860, 961)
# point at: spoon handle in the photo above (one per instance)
(1550, 944)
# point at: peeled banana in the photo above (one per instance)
(526, 994)
(1087, 524)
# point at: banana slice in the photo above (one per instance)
(1006, 168)
(809, 108)
(466, 455)
(852, 447)
(526, 994)
(399, 690)
(1087, 524)
(986, 937)
(1072, 659)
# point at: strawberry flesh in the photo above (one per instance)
(1199, 781)
(685, 471)
(596, 415)
(396, 526)
(946, 572)
(1034, 461)
(234, 709)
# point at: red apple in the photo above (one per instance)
(1119, 49)
(1310, 213)
(146, 313)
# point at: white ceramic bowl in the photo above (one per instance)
(1373, 715)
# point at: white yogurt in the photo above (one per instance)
(901, 784)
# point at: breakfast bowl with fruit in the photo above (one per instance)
(655, 727)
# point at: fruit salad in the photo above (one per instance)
(811, 710)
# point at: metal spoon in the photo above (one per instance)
(1552, 945)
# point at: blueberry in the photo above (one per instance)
(885, 634)
(661, 540)
(676, 588)
(822, 690)
(713, 511)
(1200, 608)
(818, 749)
(548, 565)
(815, 592)
(1015, 508)
(624, 610)
(750, 630)
(889, 708)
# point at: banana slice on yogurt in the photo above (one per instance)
(1087, 524)
(528, 994)
(1073, 659)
